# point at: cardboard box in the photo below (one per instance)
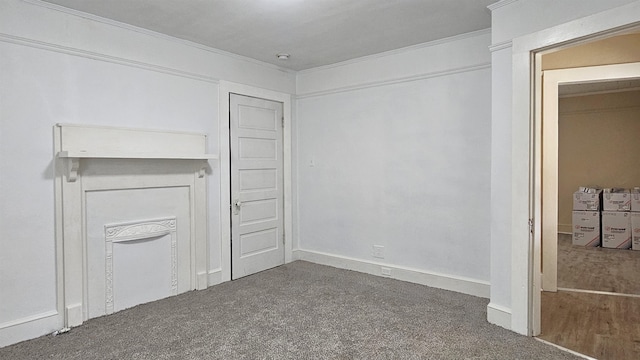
(635, 230)
(635, 199)
(586, 228)
(587, 201)
(616, 229)
(616, 200)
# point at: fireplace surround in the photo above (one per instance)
(131, 217)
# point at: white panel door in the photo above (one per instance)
(257, 209)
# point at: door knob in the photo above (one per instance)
(236, 208)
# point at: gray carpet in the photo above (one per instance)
(296, 311)
(596, 268)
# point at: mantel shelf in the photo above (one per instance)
(94, 155)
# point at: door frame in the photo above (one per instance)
(526, 109)
(227, 88)
(552, 79)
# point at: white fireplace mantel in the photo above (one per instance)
(90, 159)
(99, 142)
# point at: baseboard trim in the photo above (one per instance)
(215, 277)
(29, 327)
(202, 280)
(441, 281)
(565, 229)
(499, 315)
(73, 315)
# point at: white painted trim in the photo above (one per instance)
(398, 51)
(499, 4)
(225, 89)
(29, 327)
(565, 349)
(535, 206)
(214, 277)
(499, 315)
(459, 284)
(103, 57)
(500, 46)
(611, 21)
(394, 81)
(152, 33)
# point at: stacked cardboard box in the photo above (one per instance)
(586, 216)
(616, 219)
(635, 218)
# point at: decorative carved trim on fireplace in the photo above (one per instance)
(132, 231)
(139, 229)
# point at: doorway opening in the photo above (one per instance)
(578, 90)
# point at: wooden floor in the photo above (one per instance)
(605, 327)
(598, 325)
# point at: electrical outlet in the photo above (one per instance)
(385, 271)
(378, 251)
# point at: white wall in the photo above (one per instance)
(531, 25)
(57, 67)
(394, 150)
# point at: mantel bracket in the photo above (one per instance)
(73, 164)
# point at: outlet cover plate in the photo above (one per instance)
(385, 271)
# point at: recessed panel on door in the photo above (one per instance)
(259, 241)
(257, 118)
(259, 211)
(257, 179)
(253, 148)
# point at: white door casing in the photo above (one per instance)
(523, 110)
(257, 196)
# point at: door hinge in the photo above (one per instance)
(531, 226)
(282, 121)
(282, 238)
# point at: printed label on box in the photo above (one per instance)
(586, 228)
(587, 201)
(616, 200)
(616, 230)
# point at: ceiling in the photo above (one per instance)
(313, 32)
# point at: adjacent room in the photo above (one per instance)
(308, 179)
